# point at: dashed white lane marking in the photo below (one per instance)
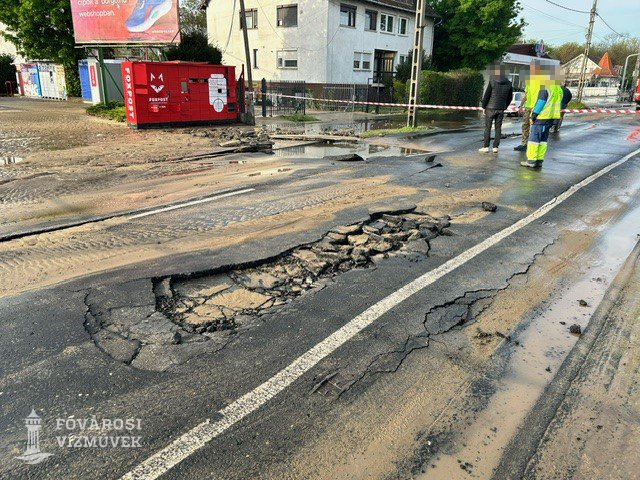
(189, 204)
(196, 438)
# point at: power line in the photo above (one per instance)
(603, 21)
(233, 16)
(567, 8)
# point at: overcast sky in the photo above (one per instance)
(556, 25)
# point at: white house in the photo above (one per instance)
(318, 41)
(7, 47)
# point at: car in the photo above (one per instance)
(636, 96)
(516, 104)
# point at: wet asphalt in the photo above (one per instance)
(48, 361)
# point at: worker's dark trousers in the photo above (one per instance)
(489, 117)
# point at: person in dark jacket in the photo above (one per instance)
(496, 100)
(566, 98)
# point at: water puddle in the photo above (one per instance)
(10, 160)
(321, 150)
(545, 341)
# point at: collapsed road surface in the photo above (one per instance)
(376, 319)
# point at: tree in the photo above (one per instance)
(194, 47)
(7, 70)
(192, 17)
(403, 69)
(565, 52)
(474, 33)
(42, 29)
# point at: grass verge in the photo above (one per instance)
(111, 111)
(392, 131)
(576, 104)
(300, 118)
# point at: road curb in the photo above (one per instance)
(523, 445)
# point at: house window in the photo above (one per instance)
(251, 17)
(370, 20)
(287, 58)
(402, 26)
(347, 16)
(255, 58)
(386, 23)
(288, 16)
(403, 58)
(361, 61)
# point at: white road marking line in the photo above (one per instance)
(188, 204)
(196, 438)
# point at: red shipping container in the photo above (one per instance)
(161, 94)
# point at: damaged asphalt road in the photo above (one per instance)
(349, 408)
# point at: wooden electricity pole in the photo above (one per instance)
(416, 65)
(587, 49)
(247, 52)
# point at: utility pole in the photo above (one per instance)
(416, 65)
(583, 71)
(247, 52)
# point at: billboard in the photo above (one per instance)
(125, 21)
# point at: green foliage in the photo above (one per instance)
(300, 118)
(461, 88)
(474, 33)
(565, 52)
(403, 69)
(399, 91)
(194, 47)
(391, 131)
(110, 110)
(7, 70)
(42, 29)
(192, 17)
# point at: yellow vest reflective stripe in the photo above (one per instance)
(553, 107)
(531, 89)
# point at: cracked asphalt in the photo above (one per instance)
(437, 386)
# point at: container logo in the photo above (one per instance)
(158, 87)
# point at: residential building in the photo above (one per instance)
(319, 41)
(601, 74)
(517, 61)
(7, 47)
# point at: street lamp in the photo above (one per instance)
(624, 72)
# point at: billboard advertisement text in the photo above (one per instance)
(125, 21)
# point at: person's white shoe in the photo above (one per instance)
(495, 150)
(484, 150)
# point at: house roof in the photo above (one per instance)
(605, 68)
(525, 49)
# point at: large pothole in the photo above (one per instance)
(179, 318)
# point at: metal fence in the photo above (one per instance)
(274, 105)
(343, 91)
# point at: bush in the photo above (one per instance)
(195, 47)
(110, 110)
(72, 80)
(7, 70)
(399, 92)
(461, 88)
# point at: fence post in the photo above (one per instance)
(263, 89)
(304, 95)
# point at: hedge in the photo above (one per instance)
(461, 87)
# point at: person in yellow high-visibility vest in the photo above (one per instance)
(532, 86)
(546, 110)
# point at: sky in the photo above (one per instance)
(556, 25)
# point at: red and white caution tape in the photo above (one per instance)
(449, 107)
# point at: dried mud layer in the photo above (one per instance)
(154, 325)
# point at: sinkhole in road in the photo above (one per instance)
(187, 315)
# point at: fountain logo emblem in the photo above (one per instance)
(33, 454)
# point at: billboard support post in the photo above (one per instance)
(103, 77)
